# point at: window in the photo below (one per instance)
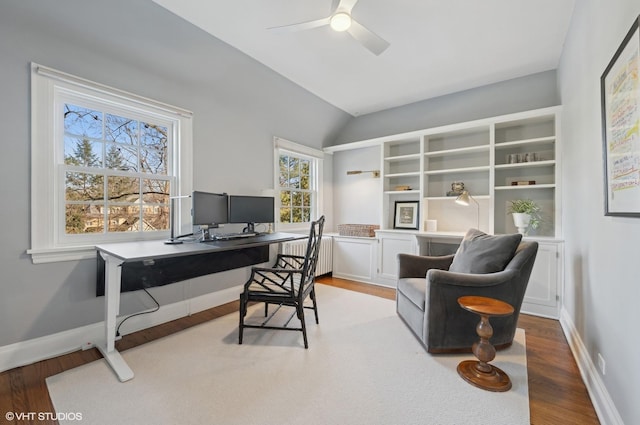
(298, 183)
(105, 164)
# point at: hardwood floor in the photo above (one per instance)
(557, 394)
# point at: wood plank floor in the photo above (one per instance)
(557, 394)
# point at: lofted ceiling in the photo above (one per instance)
(437, 47)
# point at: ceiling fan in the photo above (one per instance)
(340, 20)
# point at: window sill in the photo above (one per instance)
(55, 255)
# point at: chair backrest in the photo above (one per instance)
(313, 250)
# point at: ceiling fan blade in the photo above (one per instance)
(371, 41)
(334, 6)
(302, 25)
(346, 5)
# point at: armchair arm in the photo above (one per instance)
(445, 277)
(418, 265)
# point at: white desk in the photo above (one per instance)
(114, 254)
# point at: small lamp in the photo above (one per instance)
(464, 199)
(173, 239)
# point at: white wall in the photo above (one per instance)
(356, 198)
(602, 286)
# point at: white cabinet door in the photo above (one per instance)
(354, 258)
(542, 297)
(389, 246)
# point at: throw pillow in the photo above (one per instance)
(482, 253)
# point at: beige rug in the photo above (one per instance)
(363, 366)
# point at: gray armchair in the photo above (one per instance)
(427, 297)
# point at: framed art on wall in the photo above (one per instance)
(406, 215)
(620, 97)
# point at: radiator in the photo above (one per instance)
(325, 256)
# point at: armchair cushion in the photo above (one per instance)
(481, 253)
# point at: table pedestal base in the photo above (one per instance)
(495, 379)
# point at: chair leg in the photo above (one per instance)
(300, 309)
(242, 312)
(315, 305)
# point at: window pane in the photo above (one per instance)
(153, 155)
(82, 122)
(84, 186)
(296, 215)
(284, 171)
(306, 199)
(304, 174)
(294, 172)
(83, 218)
(155, 217)
(123, 189)
(124, 218)
(120, 129)
(155, 191)
(285, 215)
(123, 158)
(306, 215)
(297, 199)
(82, 152)
(153, 161)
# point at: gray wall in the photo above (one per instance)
(238, 105)
(520, 94)
(601, 253)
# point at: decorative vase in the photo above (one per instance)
(521, 220)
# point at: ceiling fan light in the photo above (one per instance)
(340, 21)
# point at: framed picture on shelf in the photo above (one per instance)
(406, 215)
(620, 100)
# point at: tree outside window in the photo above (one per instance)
(116, 176)
(297, 190)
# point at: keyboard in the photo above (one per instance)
(231, 236)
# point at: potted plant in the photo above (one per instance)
(526, 214)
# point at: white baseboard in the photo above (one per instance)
(602, 402)
(37, 349)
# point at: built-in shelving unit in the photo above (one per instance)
(498, 160)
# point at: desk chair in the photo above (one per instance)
(288, 283)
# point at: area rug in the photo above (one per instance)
(363, 366)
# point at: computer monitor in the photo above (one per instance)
(251, 210)
(209, 209)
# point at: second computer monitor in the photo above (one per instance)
(251, 210)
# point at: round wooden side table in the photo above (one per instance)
(480, 373)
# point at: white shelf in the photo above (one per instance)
(400, 158)
(412, 173)
(399, 192)
(453, 198)
(447, 152)
(531, 164)
(458, 170)
(526, 186)
(506, 145)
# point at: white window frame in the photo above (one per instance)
(282, 147)
(51, 88)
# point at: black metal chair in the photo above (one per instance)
(288, 283)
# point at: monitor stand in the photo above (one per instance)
(205, 234)
(249, 229)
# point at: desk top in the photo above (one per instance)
(147, 250)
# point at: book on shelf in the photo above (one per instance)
(523, 183)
